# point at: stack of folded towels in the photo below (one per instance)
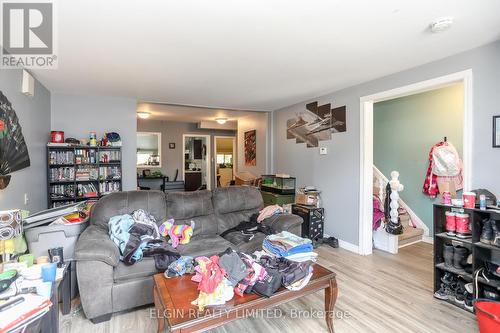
(290, 246)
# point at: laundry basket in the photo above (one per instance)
(488, 315)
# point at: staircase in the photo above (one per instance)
(413, 228)
(410, 234)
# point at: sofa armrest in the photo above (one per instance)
(94, 244)
(284, 222)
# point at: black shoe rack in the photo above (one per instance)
(481, 252)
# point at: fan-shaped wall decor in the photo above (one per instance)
(13, 150)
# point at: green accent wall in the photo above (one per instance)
(406, 128)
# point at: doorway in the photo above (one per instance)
(367, 137)
(195, 162)
(225, 156)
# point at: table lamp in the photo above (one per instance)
(11, 226)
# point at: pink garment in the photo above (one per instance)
(268, 212)
(378, 214)
(208, 274)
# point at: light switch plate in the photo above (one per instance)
(323, 151)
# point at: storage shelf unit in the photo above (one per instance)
(481, 252)
(104, 173)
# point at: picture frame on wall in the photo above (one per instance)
(171, 145)
(250, 148)
(496, 131)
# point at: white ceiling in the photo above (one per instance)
(252, 54)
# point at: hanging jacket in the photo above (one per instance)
(445, 166)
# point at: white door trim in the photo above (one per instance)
(366, 143)
(209, 149)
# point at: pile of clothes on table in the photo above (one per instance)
(232, 274)
(290, 246)
(137, 235)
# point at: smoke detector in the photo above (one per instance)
(441, 24)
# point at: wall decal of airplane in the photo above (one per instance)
(316, 123)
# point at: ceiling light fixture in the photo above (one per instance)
(441, 24)
(143, 115)
(221, 121)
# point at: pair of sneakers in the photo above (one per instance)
(455, 290)
(490, 233)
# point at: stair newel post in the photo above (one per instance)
(394, 226)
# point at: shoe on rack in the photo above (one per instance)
(463, 226)
(460, 293)
(491, 294)
(445, 292)
(468, 299)
(448, 278)
(486, 232)
(448, 251)
(450, 223)
(495, 227)
(460, 255)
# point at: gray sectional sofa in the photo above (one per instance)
(107, 285)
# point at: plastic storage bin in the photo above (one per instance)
(41, 239)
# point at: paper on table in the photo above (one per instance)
(30, 307)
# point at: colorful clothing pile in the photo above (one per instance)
(214, 287)
(136, 235)
(286, 244)
(445, 166)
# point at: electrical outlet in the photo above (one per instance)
(26, 199)
(323, 151)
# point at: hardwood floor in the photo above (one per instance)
(377, 293)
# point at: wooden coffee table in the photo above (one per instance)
(173, 299)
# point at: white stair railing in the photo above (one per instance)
(382, 181)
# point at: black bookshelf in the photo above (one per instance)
(481, 252)
(78, 173)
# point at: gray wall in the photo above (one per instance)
(77, 115)
(405, 129)
(337, 174)
(34, 117)
(171, 159)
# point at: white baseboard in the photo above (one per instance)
(349, 246)
(428, 239)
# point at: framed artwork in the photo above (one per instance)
(250, 148)
(496, 131)
(316, 123)
(171, 145)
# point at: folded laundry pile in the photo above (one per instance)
(290, 246)
(137, 235)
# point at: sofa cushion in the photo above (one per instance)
(196, 206)
(235, 204)
(143, 268)
(236, 198)
(205, 245)
(120, 203)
